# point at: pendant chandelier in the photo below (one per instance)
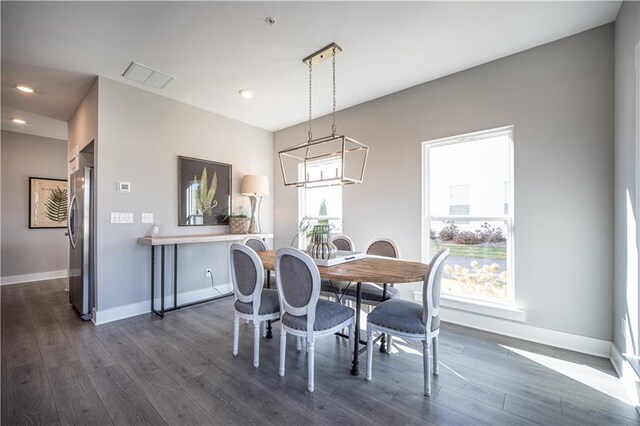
(330, 160)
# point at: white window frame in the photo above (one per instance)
(509, 218)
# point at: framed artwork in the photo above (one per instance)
(48, 203)
(205, 192)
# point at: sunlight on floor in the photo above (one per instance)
(582, 373)
(405, 347)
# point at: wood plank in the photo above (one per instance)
(75, 396)
(195, 239)
(29, 399)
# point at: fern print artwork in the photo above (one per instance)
(205, 192)
(48, 203)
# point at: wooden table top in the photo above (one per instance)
(373, 269)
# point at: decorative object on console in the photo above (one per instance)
(238, 222)
(205, 192)
(321, 246)
(349, 155)
(47, 203)
(255, 186)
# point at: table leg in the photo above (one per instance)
(269, 329)
(153, 277)
(175, 276)
(356, 341)
(383, 340)
(162, 282)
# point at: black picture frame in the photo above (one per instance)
(217, 206)
(34, 216)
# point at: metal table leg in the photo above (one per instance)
(175, 276)
(383, 340)
(356, 341)
(162, 282)
(153, 277)
(269, 329)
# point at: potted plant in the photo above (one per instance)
(238, 221)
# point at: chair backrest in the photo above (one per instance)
(342, 242)
(431, 287)
(298, 281)
(383, 247)
(247, 274)
(255, 243)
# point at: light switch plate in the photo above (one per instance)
(147, 217)
(124, 187)
(121, 217)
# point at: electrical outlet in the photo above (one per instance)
(121, 217)
(147, 218)
(623, 326)
(208, 273)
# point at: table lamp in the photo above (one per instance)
(255, 186)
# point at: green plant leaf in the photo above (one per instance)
(56, 205)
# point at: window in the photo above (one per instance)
(321, 203)
(468, 205)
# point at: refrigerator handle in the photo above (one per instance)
(69, 221)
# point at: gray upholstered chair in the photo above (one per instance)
(257, 244)
(253, 302)
(373, 294)
(333, 288)
(411, 320)
(303, 313)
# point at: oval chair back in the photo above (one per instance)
(431, 288)
(255, 243)
(342, 242)
(383, 247)
(247, 274)
(298, 281)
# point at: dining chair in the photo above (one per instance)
(257, 244)
(303, 313)
(333, 288)
(252, 301)
(413, 321)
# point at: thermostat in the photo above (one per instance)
(124, 187)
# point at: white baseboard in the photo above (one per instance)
(38, 276)
(628, 376)
(121, 312)
(560, 339)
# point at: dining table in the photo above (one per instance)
(370, 269)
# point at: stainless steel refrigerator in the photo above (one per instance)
(80, 231)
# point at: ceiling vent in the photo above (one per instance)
(145, 75)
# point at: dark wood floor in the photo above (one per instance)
(58, 369)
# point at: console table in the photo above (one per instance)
(175, 240)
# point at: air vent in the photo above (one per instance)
(145, 75)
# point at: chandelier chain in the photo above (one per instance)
(334, 129)
(310, 99)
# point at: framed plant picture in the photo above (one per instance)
(205, 192)
(48, 203)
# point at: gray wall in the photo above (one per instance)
(140, 137)
(627, 36)
(559, 97)
(24, 250)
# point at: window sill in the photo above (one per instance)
(479, 307)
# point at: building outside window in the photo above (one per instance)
(468, 205)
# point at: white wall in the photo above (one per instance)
(30, 254)
(559, 97)
(141, 135)
(627, 37)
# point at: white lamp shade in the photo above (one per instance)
(255, 185)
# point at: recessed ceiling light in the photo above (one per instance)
(18, 121)
(23, 88)
(245, 93)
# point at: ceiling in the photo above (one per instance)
(214, 49)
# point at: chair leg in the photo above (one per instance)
(298, 343)
(264, 329)
(369, 351)
(350, 333)
(256, 343)
(389, 344)
(236, 330)
(311, 351)
(426, 355)
(436, 364)
(283, 350)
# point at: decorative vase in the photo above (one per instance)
(238, 225)
(321, 246)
